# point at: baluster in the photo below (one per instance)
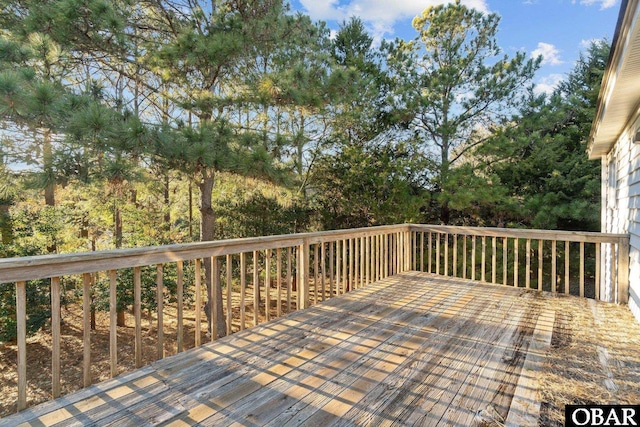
(55, 337)
(113, 329)
(86, 330)
(179, 302)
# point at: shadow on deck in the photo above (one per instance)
(410, 349)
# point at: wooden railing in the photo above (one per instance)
(593, 265)
(256, 279)
(252, 280)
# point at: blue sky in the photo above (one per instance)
(557, 29)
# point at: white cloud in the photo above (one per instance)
(379, 15)
(550, 54)
(604, 4)
(548, 84)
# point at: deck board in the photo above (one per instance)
(411, 349)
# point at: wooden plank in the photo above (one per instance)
(505, 258)
(516, 262)
(527, 277)
(289, 277)
(86, 330)
(582, 269)
(216, 298)
(303, 275)
(21, 337)
(446, 254)
(623, 270)
(44, 266)
(540, 261)
(525, 406)
(55, 337)
(338, 264)
(331, 267)
(554, 266)
(160, 313)
(473, 257)
(494, 260)
(198, 298)
(279, 278)
(243, 289)
(137, 315)
(180, 306)
(267, 285)
(438, 236)
(455, 255)
(422, 251)
(566, 267)
(464, 257)
(113, 328)
(229, 292)
(256, 289)
(345, 267)
(430, 250)
(597, 273)
(483, 263)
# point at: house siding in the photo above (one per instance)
(621, 205)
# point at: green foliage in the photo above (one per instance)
(362, 186)
(541, 162)
(456, 86)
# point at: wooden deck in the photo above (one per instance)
(411, 349)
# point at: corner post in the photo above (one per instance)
(623, 270)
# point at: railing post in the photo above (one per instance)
(623, 270)
(303, 274)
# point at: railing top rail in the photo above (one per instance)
(46, 266)
(571, 236)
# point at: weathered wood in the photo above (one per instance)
(464, 257)
(137, 315)
(243, 289)
(473, 257)
(505, 259)
(160, 311)
(215, 297)
(483, 263)
(55, 337)
(345, 267)
(303, 275)
(267, 285)
(455, 255)
(527, 277)
(289, 277)
(516, 262)
(446, 254)
(554, 266)
(198, 298)
(180, 306)
(566, 267)
(279, 278)
(21, 337)
(597, 273)
(430, 250)
(86, 330)
(494, 260)
(316, 276)
(229, 291)
(256, 289)
(582, 269)
(525, 406)
(623, 271)
(437, 352)
(540, 261)
(438, 237)
(113, 328)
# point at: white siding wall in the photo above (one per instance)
(621, 204)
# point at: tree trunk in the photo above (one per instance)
(207, 233)
(6, 226)
(50, 184)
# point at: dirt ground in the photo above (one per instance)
(594, 357)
